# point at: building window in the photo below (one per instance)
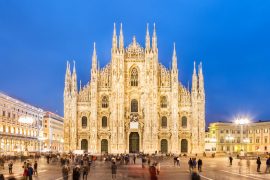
(227, 131)
(105, 102)
(250, 140)
(257, 131)
(163, 102)
(265, 139)
(184, 122)
(4, 113)
(221, 131)
(134, 105)
(257, 140)
(266, 130)
(164, 122)
(9, 115)
(221, 140)
(84, 122)
(238, 140)
(134, 77)
(104, 122)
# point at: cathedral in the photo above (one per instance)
(134, 103)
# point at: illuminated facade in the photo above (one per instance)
(227, 136)
(134, 104)
(53, 132)
(20, 125)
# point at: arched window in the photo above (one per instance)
(104, 122)
(134, 77)
(184, 121)
(164, 122)
(84, 122)
(105, 102)
(134, 105)
(163, 102)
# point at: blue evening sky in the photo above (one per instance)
(230, 37)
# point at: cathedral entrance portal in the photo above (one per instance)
(84, 144)
(104, 146)
(134, 142)
(184, 146)
(164, 146)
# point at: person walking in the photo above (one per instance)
(195, 175)
(158, 168)
(35, 168)
(114, 169)
(200, 165)
(10, 166)
(65, 171)
(178, 161)
(76, 173)
(190, 165)
(85, 171)
(240, 164)
(258, 164)
(194, 163)
(230, 159)
(30, 172)
(134, 159)
(267, 170)
(153, 172)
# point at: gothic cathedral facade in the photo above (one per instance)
(134, 104)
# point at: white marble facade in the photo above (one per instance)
(134, 104)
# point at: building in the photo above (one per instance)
(134, 104)
(53, 132)
(20, 125)
(231, 137)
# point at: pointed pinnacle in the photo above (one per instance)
(147, 29)
(114, 29)
(154, 32)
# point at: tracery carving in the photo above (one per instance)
(184, 96)
(134, 50)
(84, 94)
(164, 76)
(104, 79)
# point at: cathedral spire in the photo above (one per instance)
(154, 39)
(67, 78)
(114, 39)
(194, 79)
(201, 79)
(174, 59)
(147, 39)
(94, 58)
(74, 78)
(121, 38)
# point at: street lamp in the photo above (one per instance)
(241, 121)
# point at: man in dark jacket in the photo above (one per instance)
(30, 172)
(200, 165)
(114, 168)
(76, 173)
(259, 164)
(267, 170)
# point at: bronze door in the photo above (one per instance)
(134, 142)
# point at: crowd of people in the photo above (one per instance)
(78, 167)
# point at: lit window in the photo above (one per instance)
(104, 122)
(134, 77)
(164, 122)
(105, 102)
(163, 102)
(184, 121)
(134, 105)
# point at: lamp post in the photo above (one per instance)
(241, 121)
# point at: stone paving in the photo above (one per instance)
(213, 169)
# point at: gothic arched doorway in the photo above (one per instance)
(104, 145)
(134, 142)
(164, 146)
(184, 146)
(84, 144)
